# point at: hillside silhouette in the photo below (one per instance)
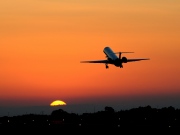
(141, 118)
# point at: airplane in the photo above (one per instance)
(113, 59)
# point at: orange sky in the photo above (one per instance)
(42, 43)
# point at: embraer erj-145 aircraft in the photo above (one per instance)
(113, 59)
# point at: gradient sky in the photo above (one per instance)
(43, 41)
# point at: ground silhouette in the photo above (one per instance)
(135, 119)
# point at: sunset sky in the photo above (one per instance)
(43, 41)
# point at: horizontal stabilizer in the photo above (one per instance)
(123, 52)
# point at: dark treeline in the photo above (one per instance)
(136, 118)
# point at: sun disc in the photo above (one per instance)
(57, 103)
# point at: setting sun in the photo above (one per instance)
(57, 102)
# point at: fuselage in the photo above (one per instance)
(110, 54)
(112, 57)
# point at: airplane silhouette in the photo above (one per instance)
(113, 59)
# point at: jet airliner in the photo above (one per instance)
(113, 59)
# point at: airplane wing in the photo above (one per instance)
(96, 61)
(132, 60)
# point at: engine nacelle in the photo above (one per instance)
(124, 60)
